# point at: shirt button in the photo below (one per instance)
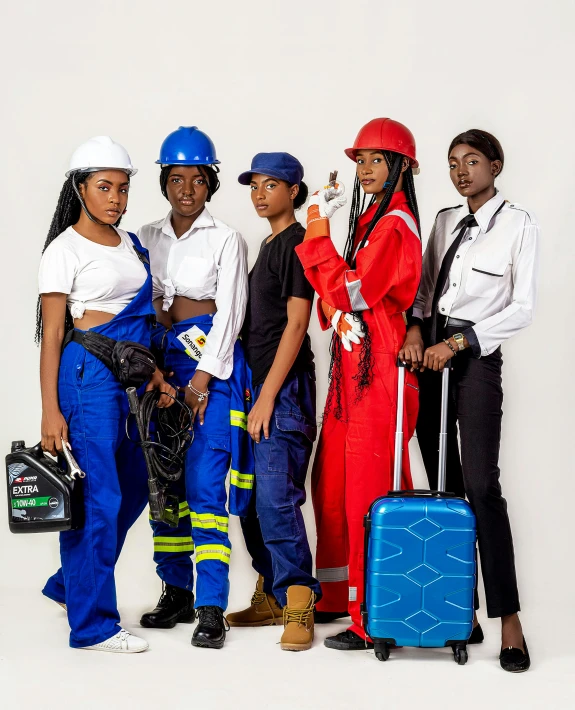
(457, 257)
(443, 310)
(455, 284)
(470, 238)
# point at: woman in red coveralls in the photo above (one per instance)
(363, 296)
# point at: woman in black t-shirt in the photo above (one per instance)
(279, 353)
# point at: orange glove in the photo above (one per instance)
(346, 325)
(321, 207)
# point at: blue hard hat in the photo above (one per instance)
(188, 146)
(281, 166)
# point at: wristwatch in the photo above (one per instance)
(459, 340)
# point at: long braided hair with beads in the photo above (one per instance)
(67, 214)
(364, 375)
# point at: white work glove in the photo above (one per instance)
(349, 328)
(328, 199)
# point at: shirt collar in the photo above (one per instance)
(398, 198)
(484, 215)
(205, 219)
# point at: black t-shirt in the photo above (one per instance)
(277, 275)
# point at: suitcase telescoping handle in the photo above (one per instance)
(398, 455)
(441, 473)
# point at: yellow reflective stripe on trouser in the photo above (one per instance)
(184, 510)
(238, 418)
(173, 544)
(213, 552)
(208, 521)
(241, 480)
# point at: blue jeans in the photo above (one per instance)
(274, 528)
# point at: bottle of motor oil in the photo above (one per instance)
(42, 496)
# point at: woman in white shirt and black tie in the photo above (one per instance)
(477, 289)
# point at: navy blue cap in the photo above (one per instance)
(281, 166)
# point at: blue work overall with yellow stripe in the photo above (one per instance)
(95, 405)
(220, 445)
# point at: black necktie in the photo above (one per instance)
(468, 222)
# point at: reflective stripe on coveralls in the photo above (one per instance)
(353, 283)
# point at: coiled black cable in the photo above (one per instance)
(165, 434)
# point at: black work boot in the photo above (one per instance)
(175, 606)
(211, 629)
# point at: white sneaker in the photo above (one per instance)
(122, 642)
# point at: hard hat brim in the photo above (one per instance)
(129, 171)
(188, 162)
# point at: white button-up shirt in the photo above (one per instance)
(493, 277)
(207, 261)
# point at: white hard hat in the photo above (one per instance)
(101, 153)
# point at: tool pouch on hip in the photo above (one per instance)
(132, 363)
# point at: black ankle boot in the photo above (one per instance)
(211, 629)
(175, 606)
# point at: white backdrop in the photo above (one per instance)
(302, 77)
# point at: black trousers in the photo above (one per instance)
(475, 401)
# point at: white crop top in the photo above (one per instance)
(95, 277)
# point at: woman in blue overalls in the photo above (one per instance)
(94, 276)
(199, 268)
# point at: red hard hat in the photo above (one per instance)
(385, 134)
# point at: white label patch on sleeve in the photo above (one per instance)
(353, 594)
(194, 341)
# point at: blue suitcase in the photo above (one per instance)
(420, 563)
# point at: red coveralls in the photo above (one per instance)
(354, 460)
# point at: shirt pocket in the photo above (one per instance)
(486, 274)
(196, 272)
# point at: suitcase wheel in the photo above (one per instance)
(381, 651)
(460, 655)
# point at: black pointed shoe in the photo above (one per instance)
(326, 617)
(211, 629)
(476, 635)
(514, 660)
(175, 606)
(347, 641)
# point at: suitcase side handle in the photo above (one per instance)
(421, 493)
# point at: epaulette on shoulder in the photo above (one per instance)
(515, 206)
(446, 209)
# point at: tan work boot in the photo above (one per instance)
(264, 610)
(298, 619)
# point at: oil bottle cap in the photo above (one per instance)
(18, 446)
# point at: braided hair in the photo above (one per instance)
(66, 214)
(364, 375)
(208, 172)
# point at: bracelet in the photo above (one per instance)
(200, 395)
(450, 346)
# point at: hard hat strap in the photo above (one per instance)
(83, 204)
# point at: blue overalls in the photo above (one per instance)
(95, 405)
(220, 445)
